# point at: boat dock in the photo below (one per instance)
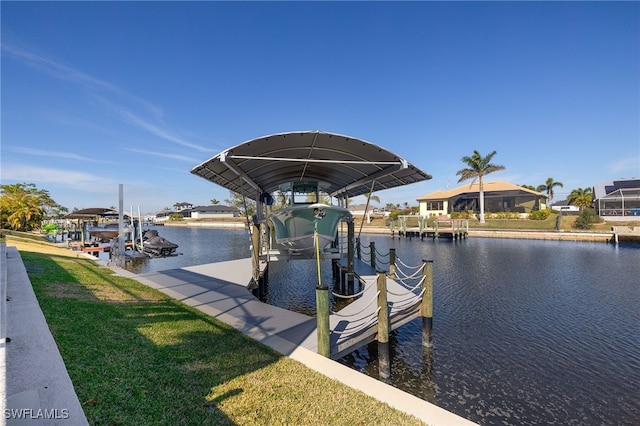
(95, 248)
(453, 229)
(222, 291)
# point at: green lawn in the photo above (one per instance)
(137, 357)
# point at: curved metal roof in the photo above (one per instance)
(346, 165)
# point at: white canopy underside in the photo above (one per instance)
(346, 166)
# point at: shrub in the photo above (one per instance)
(502, 215)
(463, 215)
(176, 216)
(587, 218)
(539, 214)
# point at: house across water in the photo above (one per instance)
(618, 200)
(499, 196)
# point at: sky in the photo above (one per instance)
(98, 94)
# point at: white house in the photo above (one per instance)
(212, 212)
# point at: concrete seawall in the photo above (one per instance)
(473, 232)
(544, 235)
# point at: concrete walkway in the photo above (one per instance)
(38, 387)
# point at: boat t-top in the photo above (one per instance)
(301, 181)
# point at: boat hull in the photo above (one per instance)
(294, 227)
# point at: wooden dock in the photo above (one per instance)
(94, 248)
(453, 229)
(221, 290)
(356, 324)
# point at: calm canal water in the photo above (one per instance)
(525, 332)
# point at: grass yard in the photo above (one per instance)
(137, 357)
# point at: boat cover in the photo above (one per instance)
(346, 165)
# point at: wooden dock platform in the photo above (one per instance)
(221, 290)
(95, 248)
(356, 324)
(452, 228)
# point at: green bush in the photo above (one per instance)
(587, 218)
(463, 215)
(176, 216)
(502, 215)
(539, 214)
(394, 215)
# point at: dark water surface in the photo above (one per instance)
(525, 332)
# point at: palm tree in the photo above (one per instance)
(370, 196)
(215, 201)
(548, 186)
(581, 197)
(478, 168)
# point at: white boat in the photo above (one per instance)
(296, 224)
(105, 232)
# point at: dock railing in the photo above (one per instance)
(396, 294)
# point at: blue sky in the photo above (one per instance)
(95, 94)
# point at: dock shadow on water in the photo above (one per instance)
(292, 285)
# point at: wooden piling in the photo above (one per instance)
(426, 307)
(384, 360)
(322, 317)
(372, 247)
(350, 253)
(255, 250)
(392, 263)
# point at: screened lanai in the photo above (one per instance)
(618, 200)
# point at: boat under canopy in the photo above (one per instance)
(309, 162)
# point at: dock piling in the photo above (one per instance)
(322, 318)
(372, 247)
(392, 263)
(350, 261)
(384, 359)
(426, 308)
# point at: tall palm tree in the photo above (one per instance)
(548, 186)
(478, 167)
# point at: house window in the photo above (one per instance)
(434, 205)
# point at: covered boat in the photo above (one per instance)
(318, 167)
(296, 223)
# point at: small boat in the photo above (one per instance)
(154, 245)
(106, 232)
(295, 224)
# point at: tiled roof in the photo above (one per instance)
(495, 186)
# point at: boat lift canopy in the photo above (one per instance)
(347, 165)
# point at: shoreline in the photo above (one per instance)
(601, 236)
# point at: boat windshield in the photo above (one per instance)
(303, 192)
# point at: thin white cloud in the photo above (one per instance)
(159, 154)
(68, 178)
(64, 72)
(134, 120)
(626, 165)
(95, 86)
(51, 154)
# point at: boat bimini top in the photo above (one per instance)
(346, 166)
